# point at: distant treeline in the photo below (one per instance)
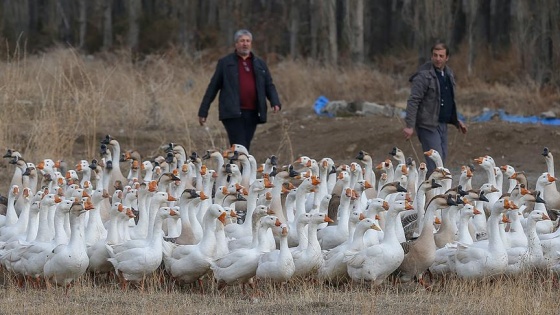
(330, 31)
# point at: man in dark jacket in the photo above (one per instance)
(431, 104)
(245, 84)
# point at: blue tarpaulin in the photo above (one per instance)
(486, 115)
(320, 104)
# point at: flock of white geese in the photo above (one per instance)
(360, 222)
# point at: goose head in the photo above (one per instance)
(398, 155)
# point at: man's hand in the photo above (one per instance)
(408, 132)
(462, 127)
(276, 108)
(202, 120)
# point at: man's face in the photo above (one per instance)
(439, 58)
(243, 45)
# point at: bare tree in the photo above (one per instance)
(15, 19)
(227, 13)
(134, 10)
(357, 33)
(543, 63)
(521, 31)
(470, 7)
(82, 23)
(431, 21)
(187, 12)
(315, 20)
(332, 51)
(107, 24)
(294, 28)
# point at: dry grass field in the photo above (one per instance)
(60, 104)
(534, 294)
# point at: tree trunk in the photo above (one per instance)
(107, 24)
(134, 11)
(16, 19)
(542, 32)
(65, 32)
(187, 13)
(470, 7)
(315, 18)
(212, 18)
(332, 52)
(294, 28)
(226, 14)
(357, 33)
(344, 26)
(520, 38)
(82, 23)
(431, 20)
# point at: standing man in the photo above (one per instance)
(431, 104)
(245, 84)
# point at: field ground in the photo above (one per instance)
(296, 132)
(533, 294)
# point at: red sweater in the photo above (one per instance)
(247, 89)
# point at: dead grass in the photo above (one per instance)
(529, 293)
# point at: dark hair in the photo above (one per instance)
(440, 46)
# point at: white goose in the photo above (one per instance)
(301, 225)
(310, 259)
(32, 256)
(375, 210)
(254, 239)
(305, 187)
(218, 159)
(508, 173)
(543, 181)
(158, 200)
(187, 236)
(523, 258)
(277, 265)
(465, 179)
(18, 229)
(117, 176)
(97, 252)
(145, 194)
(189, 263)
(440, 265)
(334, 235)
(10, 258)
(68, 262)
(134, 263)
(516, 234)
(244, 229)
(551, 195)
(11, 215)
(375, 263)
(240, 265)
(334, 269)
(467, 212)
(481, 261)
(369, 174)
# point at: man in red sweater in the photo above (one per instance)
(244, 83)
